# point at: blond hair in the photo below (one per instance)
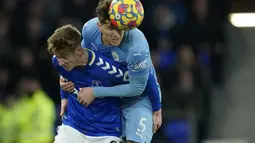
(64, 40)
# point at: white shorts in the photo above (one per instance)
(67, 134)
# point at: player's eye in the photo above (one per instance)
(63, 57)
(112, 27)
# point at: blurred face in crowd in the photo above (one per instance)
(28, 85)
(69, 60)
(26, 58)
(186, 55)
(4, 24)
(111, 35)
(164, 44)
(186, 81)
(4, 77)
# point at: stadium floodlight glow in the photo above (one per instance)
(242, 19)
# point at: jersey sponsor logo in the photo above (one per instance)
(142, 65)
(115, 56)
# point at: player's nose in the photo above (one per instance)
(116, 34)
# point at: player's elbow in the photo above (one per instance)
(138, 84)
(138, 89)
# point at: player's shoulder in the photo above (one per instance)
(135, 34)
(55, 63)
(90, 29)
(136, 41)
(54, 60)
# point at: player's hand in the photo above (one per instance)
(86, 96)
(63, 107)
(66, 86)
(157, 120)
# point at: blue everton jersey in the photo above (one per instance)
(134, 52)
(103, 116)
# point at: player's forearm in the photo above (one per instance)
(155, 101)
(154, 93)
(134, 88)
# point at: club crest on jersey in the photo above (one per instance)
(115, 56)
(96, 83)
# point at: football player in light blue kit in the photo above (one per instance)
(130, 48)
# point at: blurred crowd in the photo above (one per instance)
(187, 49)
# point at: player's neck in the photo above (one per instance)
(84, 58)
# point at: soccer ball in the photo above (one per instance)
(126, 14)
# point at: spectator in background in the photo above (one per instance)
(37, 123)
(164, 19)
(186, 95)
(200, 8)
(204, 61)
(26, 62)
(4, 81)
(167, 57)
(8, 126)
(164, 60)
(4, 37)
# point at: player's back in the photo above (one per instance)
(103, 116)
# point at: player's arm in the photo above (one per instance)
(139, 78)
(64, 95)
(138, 68)
(154, 93)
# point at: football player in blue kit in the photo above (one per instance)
(140, 109)
(100, 122)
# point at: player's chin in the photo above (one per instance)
(68, 68)
(115, 43)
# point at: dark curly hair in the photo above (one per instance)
(102, 11)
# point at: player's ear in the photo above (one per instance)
(99, 25)
(79, 51)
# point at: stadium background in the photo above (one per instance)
(202, 69)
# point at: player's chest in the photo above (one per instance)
(84, 78)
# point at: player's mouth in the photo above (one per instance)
(116, 40)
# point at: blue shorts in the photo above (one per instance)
(138, 122)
